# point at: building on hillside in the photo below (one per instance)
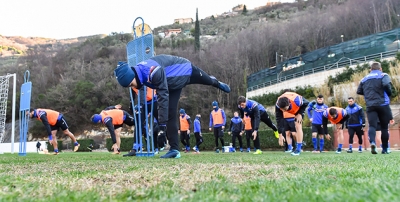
(183, 20)
(271, 3)
(233, 13)
(238, 8)
(170, 32)
(138, 29)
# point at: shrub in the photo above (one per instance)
(267, 140)
(84, 144)
(51, 148)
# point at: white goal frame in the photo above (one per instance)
(3, 119)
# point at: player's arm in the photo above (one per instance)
(43, 117)
(360, 90)
(110, 127)
(325, 124)
(279, 117)
(159, 80)
(303, 106)
(387, 85)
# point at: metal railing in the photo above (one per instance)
(342, 62)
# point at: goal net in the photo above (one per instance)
(7, 135)
(4, 86)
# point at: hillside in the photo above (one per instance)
(75, 76)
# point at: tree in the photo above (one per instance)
(244, 12)
(197, 33)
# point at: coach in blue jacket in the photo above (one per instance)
(168, 75)
(376, 88)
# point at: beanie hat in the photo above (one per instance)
(124, 74)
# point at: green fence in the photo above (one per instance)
(360, 50)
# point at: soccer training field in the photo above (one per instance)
(272, 176)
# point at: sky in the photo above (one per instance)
(61, 19)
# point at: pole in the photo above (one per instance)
(13, 112)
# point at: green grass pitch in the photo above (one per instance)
(272, 176)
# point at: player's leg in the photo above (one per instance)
(200, 77)
(234, 134)
(299, 137)
(264, 117)
(53, 140)
(314, 132)
(351, 131)
(183, 138)
(216, 134)
(221, 138)
(172, 127)
(340, 139)
(373, 122)
(118, 140)
(239, 136)
(187, 140)
(360, 133)
(62, 123)
(248, 136)
(384, 119)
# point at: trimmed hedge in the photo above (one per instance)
(267, 140)
(84, 144)
(50, 147)
(126, 144)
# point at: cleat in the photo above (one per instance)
(241, 150)
(258, 152)
(388, 150)
(223, 150)
(217, 151)
(373, 149)
(194, 148)
(384, 152)
(295, 153)
(224, 87)
(162, 148)
(248, 150)
(55, 153)
(172, 154)
(131, 153)
(276, 134)
(349, 151)
(289, 151)
(315, 152)
(359, 151)
(76, 147)
(338, 151)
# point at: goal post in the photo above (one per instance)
(4, 91)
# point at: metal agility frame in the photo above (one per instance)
(139, 49)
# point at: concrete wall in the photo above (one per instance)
(311, 79)
(30, 147)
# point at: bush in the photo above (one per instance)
(267, 140)
(126, 144)
(51, 148)
(84, 144)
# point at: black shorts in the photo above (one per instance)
(355, 129)
(119, 126)
(317, 128)
(61, 123)
(289, 126)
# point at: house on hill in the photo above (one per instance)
(183, 20)
(170, 32)
(238, 8)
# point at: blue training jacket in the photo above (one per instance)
(254, 110)
(164, 73)
(317, 111)
(376, 88)
(197, 125)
